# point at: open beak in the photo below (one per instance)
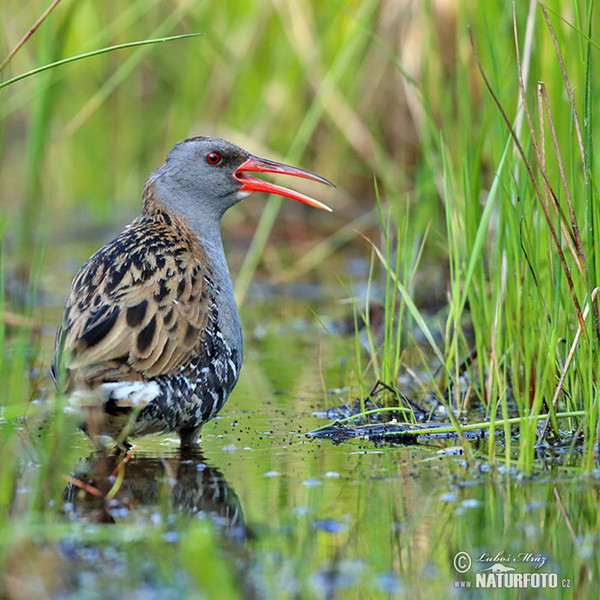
(254, 163)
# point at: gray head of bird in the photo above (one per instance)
(204, 176)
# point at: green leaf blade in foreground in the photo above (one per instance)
(71, 59)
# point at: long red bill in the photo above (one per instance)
(254, 163)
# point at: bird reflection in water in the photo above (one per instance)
(108, 486)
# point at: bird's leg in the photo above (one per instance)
(190, 437)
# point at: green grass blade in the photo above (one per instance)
(70, 59)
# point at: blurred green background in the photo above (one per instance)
(325, 85)
(351, 89)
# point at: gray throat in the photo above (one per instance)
(229, 318)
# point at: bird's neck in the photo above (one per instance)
(205, 231)
(182, 202)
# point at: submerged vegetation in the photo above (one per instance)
(472, 189)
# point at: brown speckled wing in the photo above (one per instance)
(139, 307)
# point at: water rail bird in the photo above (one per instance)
(150, 338)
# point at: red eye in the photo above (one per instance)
(213, 158)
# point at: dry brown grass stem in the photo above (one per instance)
(534, 183)
(563, 178)
(569, 236)
(541, 156)
(31, 31)
(543, 163)
(568, 88)
(82, 485)
(584, 164)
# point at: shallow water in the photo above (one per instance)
(261, 510)
(282, 516)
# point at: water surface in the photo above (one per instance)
(261, 510)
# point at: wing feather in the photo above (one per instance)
(139, 307)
